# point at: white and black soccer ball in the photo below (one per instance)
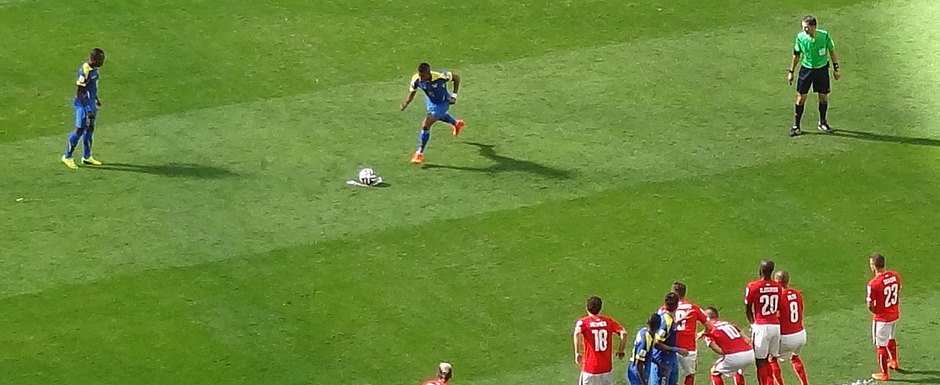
(367, 176)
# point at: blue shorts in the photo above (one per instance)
(634, 376)
(667, 374)
(81, 114)
(437, 110)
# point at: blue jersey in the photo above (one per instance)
(435, 89)
(642, 345)
(87, 77)
(667, 335)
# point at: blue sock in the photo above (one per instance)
(87, 142)
(423, 138)
(73, 142)
(448, 119)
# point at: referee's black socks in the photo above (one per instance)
(823, 108)
(798, 114)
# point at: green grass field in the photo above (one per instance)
(611, 148)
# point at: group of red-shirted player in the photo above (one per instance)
(774, 310)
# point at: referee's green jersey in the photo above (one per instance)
(814, 53)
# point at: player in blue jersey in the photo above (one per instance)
(86, 104)
(638, 372)
(438, 100)
(665, 368)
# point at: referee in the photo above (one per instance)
(812, 51)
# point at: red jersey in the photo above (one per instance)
(597, 333)
(728, 337)
(791, 312)
(685, 329)
(884, 295)
(764, 297)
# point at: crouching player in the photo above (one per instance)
(734, 350)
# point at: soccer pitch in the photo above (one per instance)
(611, 148)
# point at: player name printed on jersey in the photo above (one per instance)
(764, 296)
(597, 324)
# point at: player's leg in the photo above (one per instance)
(74, 136)
(633, 375)
(794, 345)
(762, 342)
(821, 86)
(687, 368)
(892, 347)
(674, 372)
(774, 364)
(880, 338)
(803, 83)
(737, 363)
(87, 139)
(424, 136)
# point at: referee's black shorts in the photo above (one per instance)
(818, 78)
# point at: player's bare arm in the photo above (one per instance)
(714, 347)
(576, 338)
(793, 63)
(835, 65)
(749, 312)
(621, 349)
(97, 102)
(408, 99)
(662, 346)
(456, 80)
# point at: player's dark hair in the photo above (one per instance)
(712, 308)
(424, 68)
(767, 269)
(671, 298)
(809, 19)
(878, 260)
(654, 321)
(594, 305)
(96, 52)
(679, 288)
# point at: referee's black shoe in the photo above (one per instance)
(795, 131)
(824, 127)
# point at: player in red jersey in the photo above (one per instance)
(884, 303)
(444, 372)
(792, 333)
(761, 302)
(594, 333)
(688, 315)
(732, 347)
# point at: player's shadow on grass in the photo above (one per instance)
(507, 164)
(174, 170)
(887, 138)
(926, 376)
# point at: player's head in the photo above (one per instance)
(671, 301)
(96, 57)
(783, 277)
(445, 371)
(711, 312)
(766, 269)
(594, 305)
(809, 24)
(876, 261)
(653, 322)
(424, 71)
(679, 288)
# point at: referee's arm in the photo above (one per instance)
(835, 64)
(793, 63)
